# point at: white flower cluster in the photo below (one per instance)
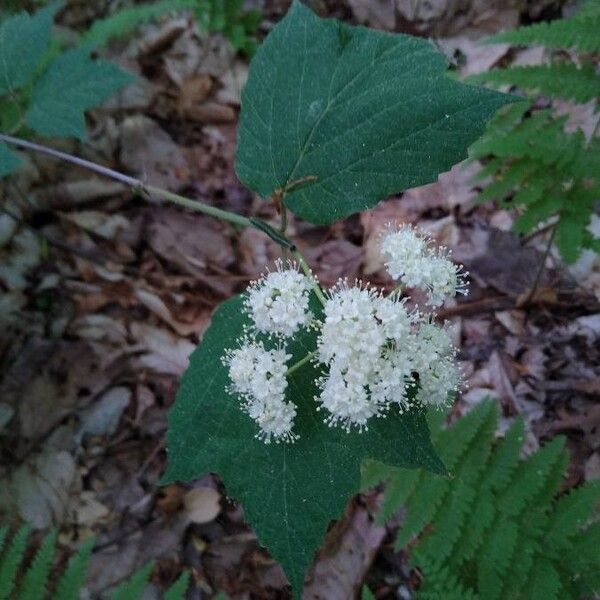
(412, 261)
(374, 352)
(359, 342)
(277, 304)
(258, 376)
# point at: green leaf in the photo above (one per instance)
(366, 594)
(569, 236)
(71, 581)
(23, 41)
(366, 113)
(72, 84)
(36, 577)
(565, 80)
(178, 589)
(134, 587)
(290, 492)
(125, 21)
(10, 561)
(9, 161)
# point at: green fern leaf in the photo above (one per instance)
(505, 458)
(3, 534)
(423, 505)
(133, 588)
(582, 561)
(569, 235)
(539, 211)
(495, 557)
(559, 80)
(512, 178)
(71, 581)
(35, 580)
(366, 594)
(530, 478)
(544, 583)
(439, 581)
(179, 588)
(451, 521)
(127, 20)
(429, 495)
(575, 33)
(571, 513)
(11, 560)
(454, 442)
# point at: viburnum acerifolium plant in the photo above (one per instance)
(333, 120)
(377, 354)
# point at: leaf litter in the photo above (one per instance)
(105, 300)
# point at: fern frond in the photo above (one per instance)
(560, 80)
(454, 441)
(71, 581)
(531, 477)
(591, 8)
(179, 588)
(575, 33)
(544, 583)
(3, 533)
(451, 521)
(429, 495)
(366, 594)
(539, 211)
(571, 513)
(426, 500)
(126, 20)
(505, 458)
(439, 581)
(133, 588)
(35, 580)
(494, 558)
(11, 560)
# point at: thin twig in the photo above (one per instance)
(540, 270)
(132, 182)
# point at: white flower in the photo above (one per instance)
(346, 398)
(446, 280)
(393, 380)
(275, 420)
(258, 377)
(403, 248)
(432, 341)
(439, 383)
(394, 319)
(350, 332)
(363, 340)
(278, 301)
(412, 261)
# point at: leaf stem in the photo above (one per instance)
(132, 182)
(300, 363)
(151, 190)
(304, 266)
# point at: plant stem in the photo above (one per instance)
(300, 363)
(198, 206)
(151, 190)
(132, 182)
(316, 287)
(86, 164)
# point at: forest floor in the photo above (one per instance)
(105, 294)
